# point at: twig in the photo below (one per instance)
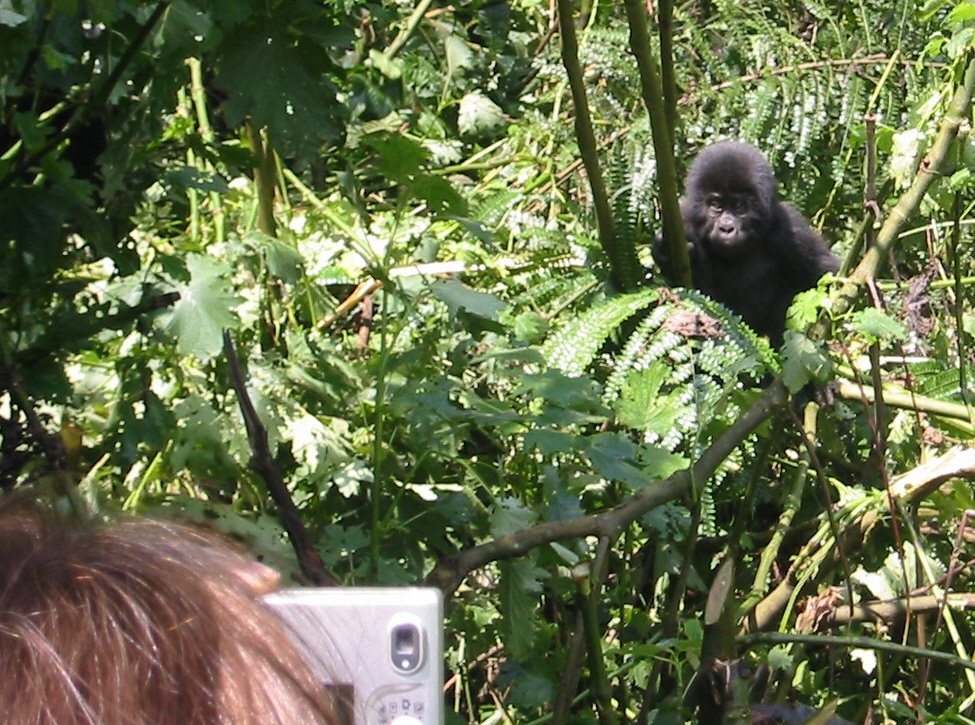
(929, 171)
(453, 569)
(99, 97)
(893, 610)
(407, 30)
(308, 559)
(819, 640)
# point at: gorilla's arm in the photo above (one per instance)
(807, 252)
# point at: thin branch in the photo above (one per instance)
(453, 569)
(931, 168)
(308, 559)
(893, 610)
(622, 259)
(412, 23)
(820, 640)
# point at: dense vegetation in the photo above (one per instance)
(368, 287)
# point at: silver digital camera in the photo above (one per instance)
(378, 650)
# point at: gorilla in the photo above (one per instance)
(747, 250)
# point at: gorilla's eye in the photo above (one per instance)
(738, 204)
(715, 203)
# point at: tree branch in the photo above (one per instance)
(308, 559)
(452, 570)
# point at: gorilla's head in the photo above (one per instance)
(730, 197)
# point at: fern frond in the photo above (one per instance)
(574, 346)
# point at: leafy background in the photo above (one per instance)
(383, 208)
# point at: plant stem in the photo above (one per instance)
(654, 99)
(623, 261)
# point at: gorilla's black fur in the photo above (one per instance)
(748, 250)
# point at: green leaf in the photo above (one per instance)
(459, 54)
(271, 82)
(805, 308)
(659, 463)
(803, 361)
(479, 115)
(547, 441)
(283, 260)
(519, 588)
(511, 515)
(877, 325)
(641, 405)
(580, 393)
(530, 689)
(438, 193)
(780, 658)
(960, 42)
(962, 12)
(397, 157)
(529, 327)
(386, 65)
(458, 296)
(204, 310)
(8, 16)
(613, 455)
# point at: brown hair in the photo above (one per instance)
(139, 622)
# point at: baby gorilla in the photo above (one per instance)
(747, 250)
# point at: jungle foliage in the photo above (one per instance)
(363, 231)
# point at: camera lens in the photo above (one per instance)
(405, 648)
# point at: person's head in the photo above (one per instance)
(139, 622)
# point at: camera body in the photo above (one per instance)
(379, 650)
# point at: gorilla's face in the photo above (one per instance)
(728, 219)
(730, 198)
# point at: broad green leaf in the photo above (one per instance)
(398, 158)
(519, 588)
(529, 327)
(283, 260)
(204, 310)
(270, 82)
(459, 296)
(9, 16)
(389, 67)
(479, 115)
(511, 515)
(613, 456)
(438, 193)
(876, 325)
(547, 441)
(803, 361)
(805, 308)
(960, 42)
(530, 689)
(659, 463)
(780, 658)
(962, 12)
(641, 405)
(459, 54)
(568, 392)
